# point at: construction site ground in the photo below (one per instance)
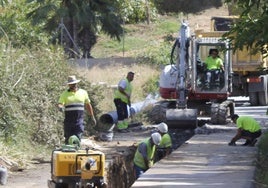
(204, 161)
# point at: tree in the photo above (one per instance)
(79, 22)
(250, 30)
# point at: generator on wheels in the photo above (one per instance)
(72, 167)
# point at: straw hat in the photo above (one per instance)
(72, 80)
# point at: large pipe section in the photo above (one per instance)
(111, 117)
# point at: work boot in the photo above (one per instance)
(125, 122)
(253, 142)
(232, 144)
(122, 126)
(246, 143)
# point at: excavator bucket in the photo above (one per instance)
(182, 118)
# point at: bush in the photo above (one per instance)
(261, 175)
(32, 81)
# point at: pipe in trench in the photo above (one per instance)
(112, 118)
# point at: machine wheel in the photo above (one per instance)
(158, 113)
(253, 98)
(226, 109)
(262, 98)
(220, 112)
(214, 113)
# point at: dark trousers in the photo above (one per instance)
(121, 108)
(250, 134)
(70, 130)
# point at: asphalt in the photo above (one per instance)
(204, 161)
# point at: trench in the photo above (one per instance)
(120, 173)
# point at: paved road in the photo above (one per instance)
(206, 161)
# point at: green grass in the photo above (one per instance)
(138, 39)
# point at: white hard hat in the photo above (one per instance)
(156, 137)
(162, 127)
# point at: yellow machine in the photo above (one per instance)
(76, 168)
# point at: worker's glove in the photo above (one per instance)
(232, 144)
(150, 164)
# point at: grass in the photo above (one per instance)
(137, 38)
(109, 77)
(141, 42)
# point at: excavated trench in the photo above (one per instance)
(120, 173)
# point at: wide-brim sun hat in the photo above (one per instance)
(72, 80)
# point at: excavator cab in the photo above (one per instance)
(211, 81)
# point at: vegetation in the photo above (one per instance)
(262, 162)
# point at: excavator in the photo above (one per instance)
(187, 102)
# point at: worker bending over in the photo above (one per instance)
(248, 128)
(144, 156)
(165, 146)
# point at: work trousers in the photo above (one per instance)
(121, 108)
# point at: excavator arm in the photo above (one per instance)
(181, 114)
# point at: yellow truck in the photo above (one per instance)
(249, 72)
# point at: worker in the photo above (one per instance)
(165, 146)
(248, 128)
(144, 156)
(122, 99)
(72, 102)
(213, 65)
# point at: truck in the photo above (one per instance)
(181, 86)
(249, 71)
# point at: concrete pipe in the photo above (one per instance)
(111, 117)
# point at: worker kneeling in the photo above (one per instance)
(248, 128)
(165, 146)
(144, 156)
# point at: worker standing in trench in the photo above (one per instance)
(144, 156)
(165, 146)
(72, 102)
(122, 99)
